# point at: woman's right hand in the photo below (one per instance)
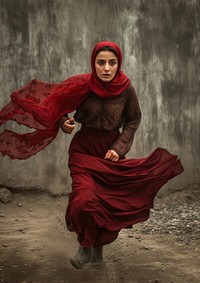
(68, 126)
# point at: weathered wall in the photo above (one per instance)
(52, 39)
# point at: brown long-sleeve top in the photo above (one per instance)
(121, 111)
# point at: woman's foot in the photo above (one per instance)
(83, 256)
(97, 256)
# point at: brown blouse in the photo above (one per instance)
(121, 111)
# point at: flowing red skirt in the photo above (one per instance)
(108, 196)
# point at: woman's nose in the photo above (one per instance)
(107, 67)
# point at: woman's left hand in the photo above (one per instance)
(112, 155)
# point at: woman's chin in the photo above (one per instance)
(106, 79)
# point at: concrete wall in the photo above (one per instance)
(52, 40)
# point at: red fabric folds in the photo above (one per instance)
(108, 196)
(39, 105)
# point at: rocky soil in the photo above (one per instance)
(35, 246)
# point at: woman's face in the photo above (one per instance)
(106, 65)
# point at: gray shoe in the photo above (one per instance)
(83, 256)
(97, 256)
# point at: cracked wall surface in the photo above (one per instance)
(52, 40)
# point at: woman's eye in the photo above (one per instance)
(101, 63)
(112, 63)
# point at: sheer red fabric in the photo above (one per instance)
(39, 105)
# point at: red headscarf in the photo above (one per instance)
(120, 81)
(39, 105)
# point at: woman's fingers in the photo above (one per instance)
(71, 121)
(112, 155)
(69, 125)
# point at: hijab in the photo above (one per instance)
(118, 84)
(39, 105)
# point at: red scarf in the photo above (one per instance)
(39, 105)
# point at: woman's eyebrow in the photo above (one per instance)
(112, 59)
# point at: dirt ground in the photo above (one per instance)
(35, 247)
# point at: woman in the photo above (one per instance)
(109, 192)
(104, 198)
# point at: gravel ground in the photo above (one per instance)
(35, 245)
(176, 214)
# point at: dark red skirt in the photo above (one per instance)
(108, 196)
